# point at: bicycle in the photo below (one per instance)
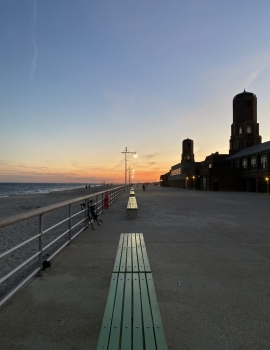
(92, 214)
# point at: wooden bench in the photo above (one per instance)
(131, 255)
(132, 193)
(132, 319)
(132, 207)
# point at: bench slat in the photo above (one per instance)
(149, 336)
(134, 254)
(119, 254)
(127, 314)
(129, 254)
(158, 327)
(144, 253)
(107, 318)
(139, 253)
(124, 255)
(137, 315)
(117, 314)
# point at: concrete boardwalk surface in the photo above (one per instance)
(210, 257)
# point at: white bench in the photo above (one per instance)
(132, 207)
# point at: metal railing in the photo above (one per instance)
(51, 239)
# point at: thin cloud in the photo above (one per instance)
(74, 163)
(151, 163)
(34, 40)
(149, 155)
(4, 163)
(32, 167)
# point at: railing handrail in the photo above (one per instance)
(13, 219)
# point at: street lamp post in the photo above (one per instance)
(126, 152)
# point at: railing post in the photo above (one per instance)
(85, 214)
(102, 202)
(69, 213)
(40, 243)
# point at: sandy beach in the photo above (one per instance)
(15, 234)
(10, 205)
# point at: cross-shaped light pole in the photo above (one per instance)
(126, 152)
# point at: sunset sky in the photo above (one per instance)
(80, 80)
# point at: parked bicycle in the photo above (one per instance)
(92, 214)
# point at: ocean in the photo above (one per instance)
(10, 189)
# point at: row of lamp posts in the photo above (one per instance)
(126, 152)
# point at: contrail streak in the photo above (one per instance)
(34, 40)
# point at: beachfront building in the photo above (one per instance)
(245, 168)
(182, 175)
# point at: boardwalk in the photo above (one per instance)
(210, 257)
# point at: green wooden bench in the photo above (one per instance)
(132, 207)
(132, 319)
(131, 255)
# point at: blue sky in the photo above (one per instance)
(81, 80)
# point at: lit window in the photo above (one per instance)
(175, 172)
(244, 164)
(240, 130)
(249, 129)
(188, 157)
(210, 165)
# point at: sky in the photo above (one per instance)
(81, 80)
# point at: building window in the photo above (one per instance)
(210, 165)
(240, 130)
(244, 164)
(188, 157)
(249, 103)
(175, 172)
(249, 129)
(253, 163)
(236, 164)
(263, 161)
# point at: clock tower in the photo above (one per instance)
(244, 129)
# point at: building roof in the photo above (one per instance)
(244, 93)
(262, 147)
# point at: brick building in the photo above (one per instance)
(245, 168)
